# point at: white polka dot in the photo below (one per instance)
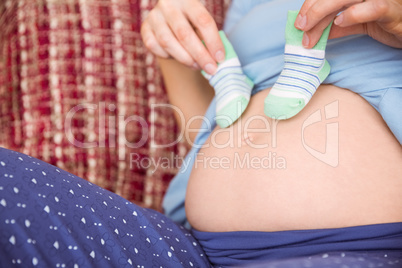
(35, 261)
(12, 240)
(47, 209)
(56, 244)
(92, 254)
(2, 163)
(3, 202)
(27, 223)
(325, 256)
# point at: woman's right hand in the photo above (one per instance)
(171, 28)
(380, 19)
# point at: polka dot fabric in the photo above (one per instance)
(337, 260)
(51, 218)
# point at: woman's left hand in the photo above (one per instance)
(380, 19)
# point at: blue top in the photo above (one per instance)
(256, 30)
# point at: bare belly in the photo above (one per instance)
(341, 169)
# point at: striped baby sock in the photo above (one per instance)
(303, 71)
(232, 87)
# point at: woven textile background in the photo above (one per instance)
(71, 72)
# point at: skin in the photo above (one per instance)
(175, 28)
(380, 19)
(364, 187)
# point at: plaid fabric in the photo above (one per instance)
(77, 87)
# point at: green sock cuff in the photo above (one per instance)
(229, 50)
(294, 36)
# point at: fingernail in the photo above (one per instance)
(339, 19)
(209, 68)
(305, 40)
(301, 21)
(219, 56)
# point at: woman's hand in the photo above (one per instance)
(170, 31)
(380, 19)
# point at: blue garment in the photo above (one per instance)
(238, 248)
(51, 218)
(358, 63)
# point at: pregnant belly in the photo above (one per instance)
(335, 164)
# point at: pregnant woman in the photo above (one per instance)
(321, 189)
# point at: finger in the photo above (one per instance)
(300, 22)
(337, 31)
(310, 38)
(206, 26)
(366, 12)
(150, 42)
(375, 31)
(168, 41)
(187, 37)
(321, 9)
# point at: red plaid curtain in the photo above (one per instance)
(77, 87)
